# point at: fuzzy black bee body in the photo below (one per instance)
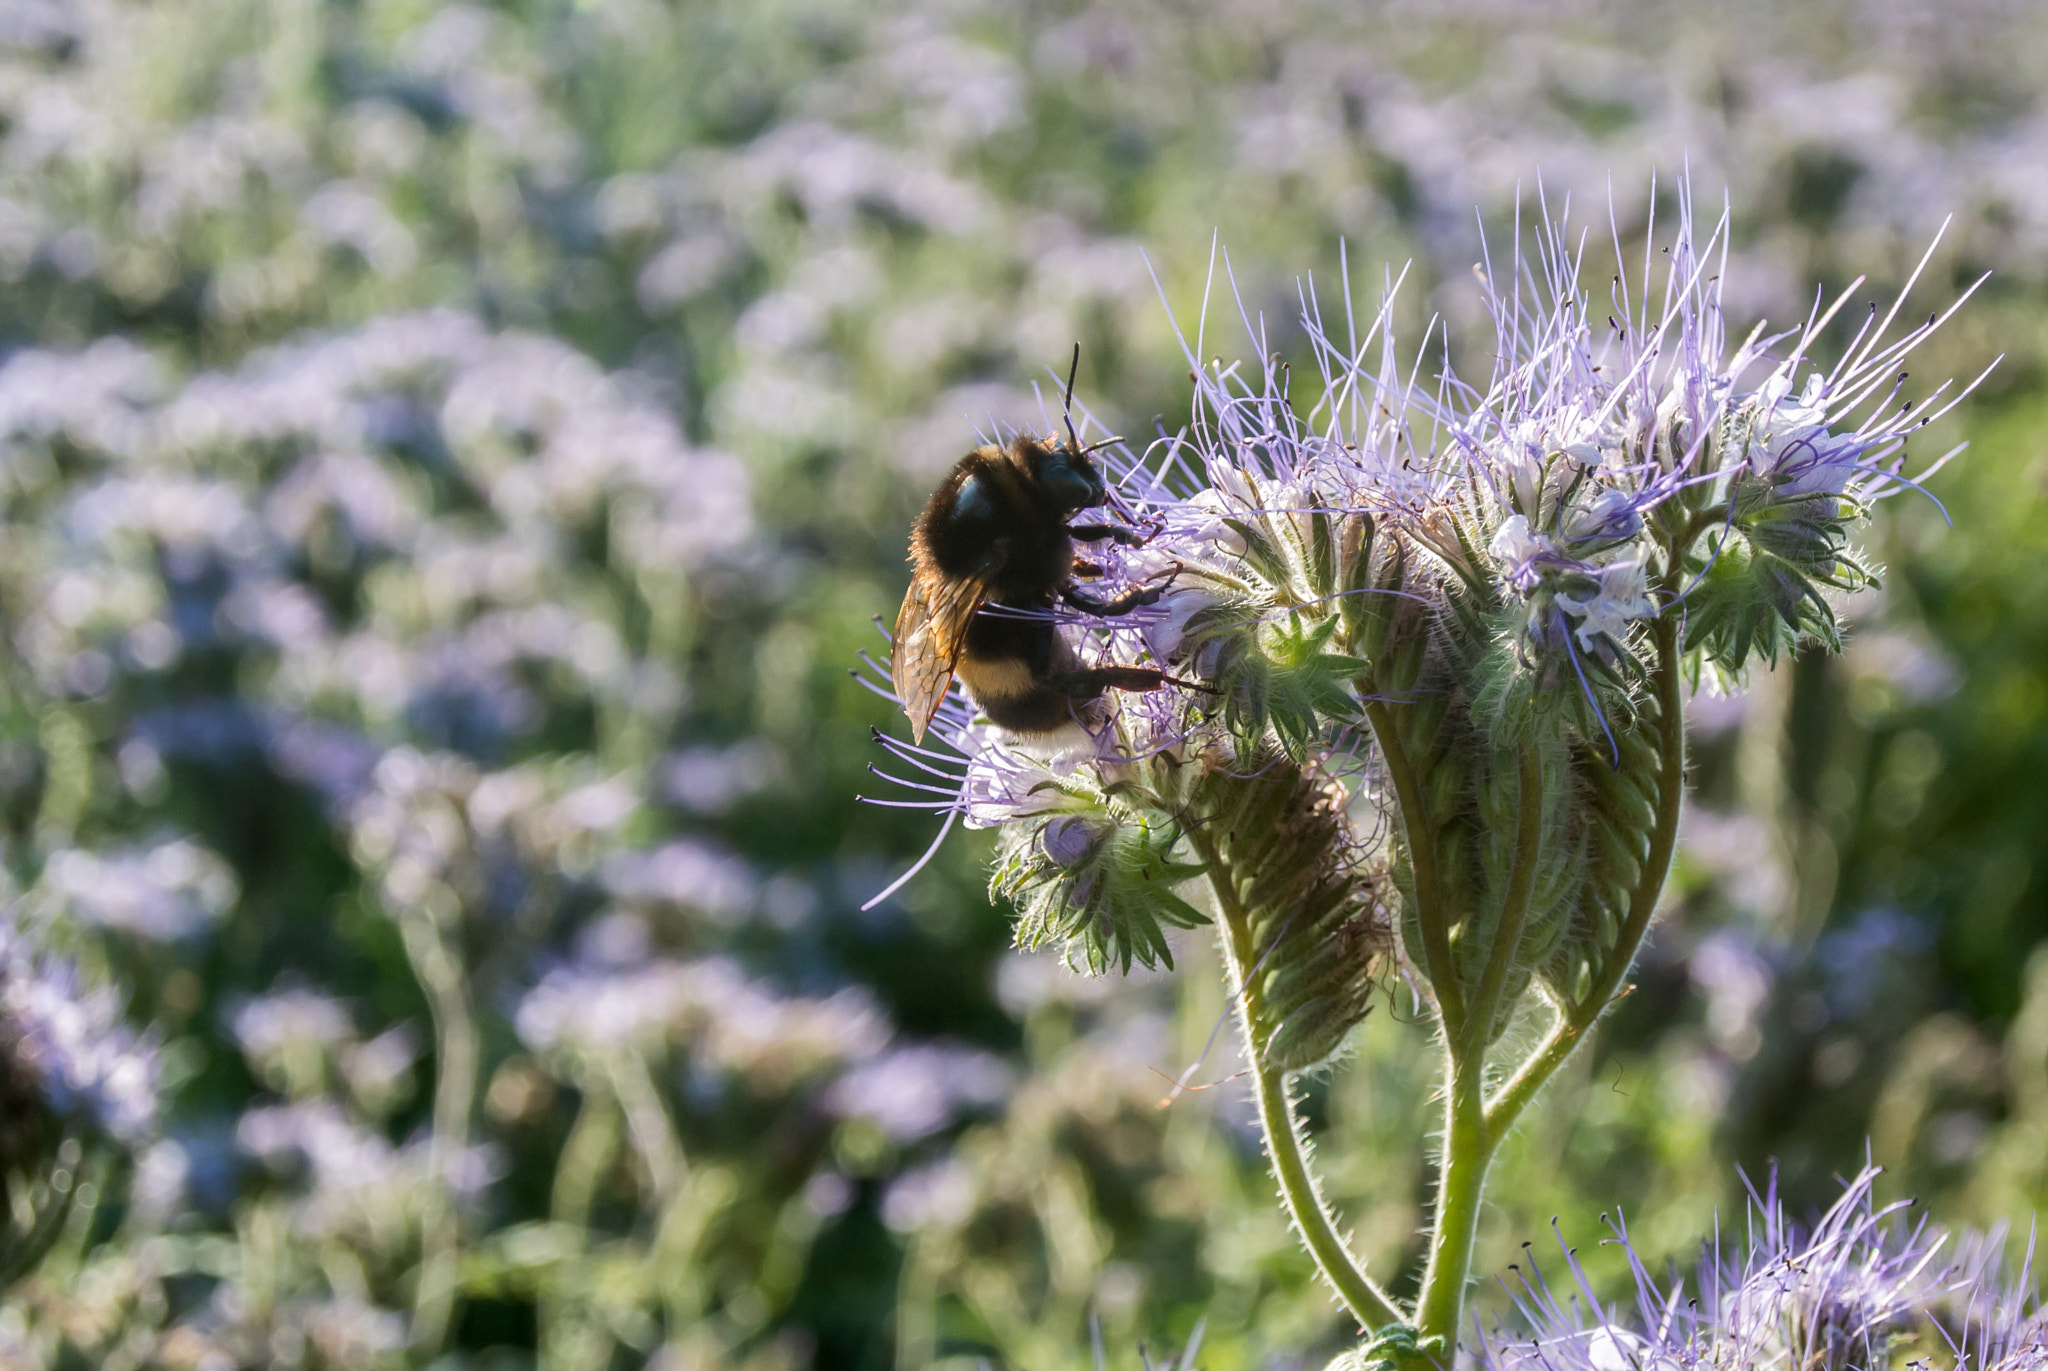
(993, 553)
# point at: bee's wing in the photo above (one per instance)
(930, 631)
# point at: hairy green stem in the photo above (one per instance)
(1461, 1184)
(1468, 1144)
(455, 1071)
(1370, 1305)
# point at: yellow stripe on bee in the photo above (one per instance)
(997, 678)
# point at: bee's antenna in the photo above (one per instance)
(1067, 404)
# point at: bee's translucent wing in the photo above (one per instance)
(930, 631)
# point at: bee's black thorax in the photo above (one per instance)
(993, 494)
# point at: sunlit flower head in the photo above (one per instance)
(1537, 507)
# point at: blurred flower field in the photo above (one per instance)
(451, 456)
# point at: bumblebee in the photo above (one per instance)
(991, 554)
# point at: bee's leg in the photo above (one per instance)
(1115, 533)
(1087, 683)
(1089, 569)
(1135, 598)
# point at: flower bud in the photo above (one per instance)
(1101, 888)
(1316, 907)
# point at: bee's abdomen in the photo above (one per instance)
(996, 678)
(1007, 659)
(1013, 696)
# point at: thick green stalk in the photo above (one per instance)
(1370, 1305)
(1468, 1152)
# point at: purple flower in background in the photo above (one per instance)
(288, 1020)
(1875, 951)
(727, 1021)
(1736, 978)
(688, 873)
(918, 1089)
(356, 1184)
(165, 890)
(289, 1036)
(1845, 1292)
(939, 1194)
(69, 1045)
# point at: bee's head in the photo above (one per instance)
(1067, 476)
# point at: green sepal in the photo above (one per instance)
(1760, 577)
(1354, 555)
(1279, 675)
(1110, 901)
(1265, 558)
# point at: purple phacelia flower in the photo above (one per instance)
(68, 1046)
(917, 1089)
(165, 890)
(1863, 1281)
(726, 1021)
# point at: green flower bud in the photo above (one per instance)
(1316, 906)
(1101, 887)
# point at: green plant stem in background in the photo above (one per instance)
(654, 1137)
(1370, 1305)
(570, 1338)
(456, 1049)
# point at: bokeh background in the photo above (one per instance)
(450, 456)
